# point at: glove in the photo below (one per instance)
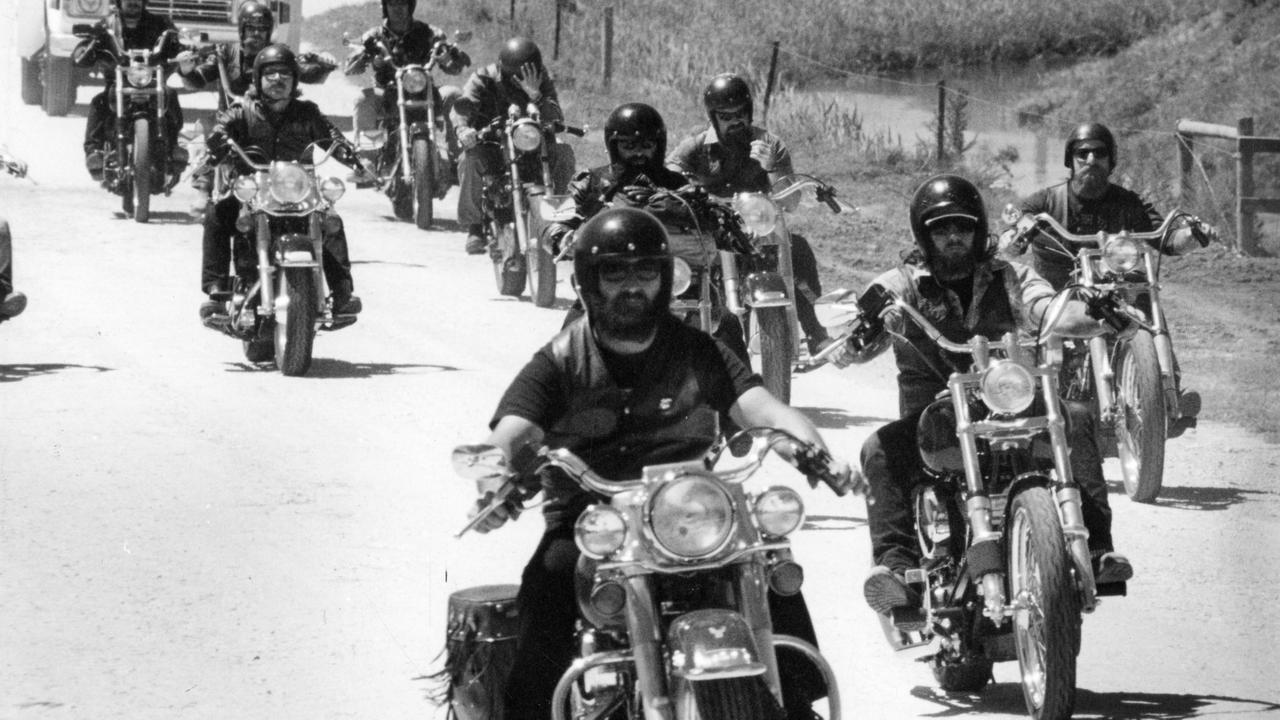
(468, 137)
(186, 62)
(217, 146)
(638, 195)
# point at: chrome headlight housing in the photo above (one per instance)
(245, 188)
(691, 517)
(140, 75)
(759, 213)
(600, 531)
(526, 136)
(681, 276)
(1007, 387)
(289, 184)
(1121, 254)
(779, 511)
(332, 189)
(414, 81)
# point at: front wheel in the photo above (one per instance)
(142, 169)
(542, 274)
(744, 698)
(1141, 423)
(296, 321)
(508, 262)
(1046, 623)
(423, 158)
(775, 350)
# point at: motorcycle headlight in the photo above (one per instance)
(245, 188)
(779, 511)
(526, 136)
(414, 81)
(1007, 388)
(681, 277)
(1121, 254)
(691, 517)
(332, 188)
(289, 183)
(140, 75)
(600, 531)
(759, 214)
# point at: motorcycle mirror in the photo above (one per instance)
(1010, 214)
(478, 461)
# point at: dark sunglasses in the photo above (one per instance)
(953, 226)
(728, 115)
(616, 271)
(633, 145)
(1084, 153)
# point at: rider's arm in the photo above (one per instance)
(313, 68)
(757, 408)
(782, 167)
(684, 159)
(359, 60)
(1037, 294)
(549, 102)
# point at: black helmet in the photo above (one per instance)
(727, 91)
(413, 5)
(638, 121)
(256, 14)
(1089, 131)
(276, 54)
(621, 232)
(517, 52)
(947, 196)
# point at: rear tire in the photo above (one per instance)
(1141, 420)
(142, 169)
(775, 351)
(1046, 631)
(401, 200)
(32, 89)
(296, 326)
(423, 157)
(59, 86)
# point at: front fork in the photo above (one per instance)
(518, 201)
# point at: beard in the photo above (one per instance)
(737, 135)
(1090, 182)
(629, 316)
(949, 264)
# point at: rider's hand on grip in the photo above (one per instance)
(818, 465)
(468, 138)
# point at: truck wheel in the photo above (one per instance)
(59, 86)
(32, 90)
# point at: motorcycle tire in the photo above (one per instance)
(743, 698)
(295, 328)
(970, 674)
(508, 262)
(1046, 628)
(774, 328)
(542, 274)
(401, 200)
(423, 158)
(1141, 424)
(142, 169)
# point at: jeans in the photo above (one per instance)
(101, 122)
(6, 260)
(548, 608)
(220, 233)
(892, 466)
(488, 159)
(804, 268)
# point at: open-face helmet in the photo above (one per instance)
(413, 4)
(1096, 132)
(257, 15)
(635, 121)
(947, 196)
(276, 54)
(516, 53)
(727, 91)
(621, 233)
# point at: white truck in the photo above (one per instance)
(45, 38)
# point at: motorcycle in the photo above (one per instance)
(672, 583)
(278, 303)
(517, 252)
(137, 158)
(419, 174)
(1006, 571)
(1131, 381)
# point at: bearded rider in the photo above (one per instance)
(256, 22)
(139, 28)
(730, 156)
(954, 279)
(1088, 202)
(273, 120)
(628, 357)
(411, 42)
(517, 78)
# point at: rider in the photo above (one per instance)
(411, 42)
(731, 155)
(1088, 202)
(139, 28)
(965, 290)
(256, 23)
(273, 120)
(628, 359)
(518, 78)
(12, 302)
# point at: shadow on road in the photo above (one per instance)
(165, 217)
(826, 418)
(14, 373)
(327, 368)
(1007, 698)
(1196, 498)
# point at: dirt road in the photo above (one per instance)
(185, 535)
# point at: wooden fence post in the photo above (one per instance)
(1244, 189)
(1186, 162)
(607, 46)
(768, 88)
(512, 16)
(942, 121)
(555, 47)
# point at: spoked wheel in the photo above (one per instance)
(423, 157)
(508, 262)
(775, 350)
(142, 169)
(1046, 621)
(1141, 422)
(295, 322)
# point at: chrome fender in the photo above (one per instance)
(713, 645)
(766, 289)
